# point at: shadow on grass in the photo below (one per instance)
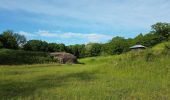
(14, 89)
(81, 63)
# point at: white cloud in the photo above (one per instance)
(113, 13)
(26, 34)
(125, 18)
(91, 37)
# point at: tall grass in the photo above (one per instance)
(121, 77)
(15, 57)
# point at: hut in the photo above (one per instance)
(137, 47)
(64, 57)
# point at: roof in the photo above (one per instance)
(137, 46)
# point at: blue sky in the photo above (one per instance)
(81, 21)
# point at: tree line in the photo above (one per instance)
(117, 45)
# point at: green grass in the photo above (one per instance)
(118, 77)
(18, 57)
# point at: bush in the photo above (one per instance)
(15, 57)
(8, 40)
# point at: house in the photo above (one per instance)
(137, 47)
(64, 57)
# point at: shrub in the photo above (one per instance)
(14, 57)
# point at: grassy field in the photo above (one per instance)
(119, 77)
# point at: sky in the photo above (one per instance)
(81, 21)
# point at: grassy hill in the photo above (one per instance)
(132, 76)
(16, 57)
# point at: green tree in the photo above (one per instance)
(117, 45)
(139, 39)
(62, 47)
(93, 49)
(36, 45)
(77, 50)
(151, 39)
(8, 40)
(21, 39)
(53, 47)
(162, 29)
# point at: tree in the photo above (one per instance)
(53, 47)
(77, 50)
(21, 39)
(93, 49)
(82, 51)
(139, 39)
(36, 45)
(8, 40)
(117, 45)
(151, 39)
(62, 47)
(162, 29)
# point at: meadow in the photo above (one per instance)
(141, 75)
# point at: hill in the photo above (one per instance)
(141, 75)
(16, 57)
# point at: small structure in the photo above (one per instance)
(64, 57)
(137, 47)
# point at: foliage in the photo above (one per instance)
(149, 39)
(21, 39)
(53, 47)
(77, 50)
(36, 45)
(8, 40)
(12, 40)
(93, 49)
(12, 57)
(162, 29)
(139, 39)
(117, 45)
